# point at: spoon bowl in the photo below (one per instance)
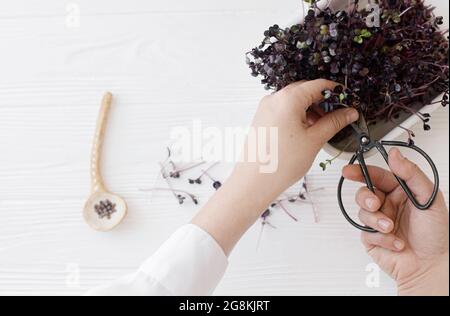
(103, 211)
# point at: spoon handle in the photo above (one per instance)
(96, 175)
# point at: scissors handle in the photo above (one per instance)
(409, 193)
(341, 203)
(359, 156)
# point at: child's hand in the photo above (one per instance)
(412, 246)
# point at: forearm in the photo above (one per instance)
(292, 149)
(237, 205)
(433, 282)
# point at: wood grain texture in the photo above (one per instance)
(167, 63)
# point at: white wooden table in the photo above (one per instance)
(167, 62)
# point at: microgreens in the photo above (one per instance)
(361, 35)
(386, 70)
(303, 197)
(284, 209)
(180, 195)
(176, 171)
(267, 213)
(326, 163)
(216, 184)
(170, 171)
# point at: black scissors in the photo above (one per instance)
(365, 144)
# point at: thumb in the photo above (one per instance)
(332, 123)
(420, 185)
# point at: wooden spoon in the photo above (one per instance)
(103, 210)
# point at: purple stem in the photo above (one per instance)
(205, 172)
(287, 212)
(188, 168)
(164, 172)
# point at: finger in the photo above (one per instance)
(318, 110)
(329, 125)
(311, 118)
(420, 185)
(386, 241)
(370, 201)
(376, 220)
(308, 92)
(381, 178)
(380, 203)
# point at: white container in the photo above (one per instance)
(408, 120)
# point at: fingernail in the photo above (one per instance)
(384, 224)
(398, 153)
(352, 115)
(398, 244)
(370, 202)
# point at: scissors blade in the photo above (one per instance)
(361, 126)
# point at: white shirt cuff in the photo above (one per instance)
(190, 262)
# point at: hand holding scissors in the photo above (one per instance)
(365, 144)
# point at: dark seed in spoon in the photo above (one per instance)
(105, 209)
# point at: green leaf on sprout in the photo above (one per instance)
(397, 18)
(366, 33)
(358, 39)
(301, 45)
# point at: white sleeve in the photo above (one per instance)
(189, 263)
